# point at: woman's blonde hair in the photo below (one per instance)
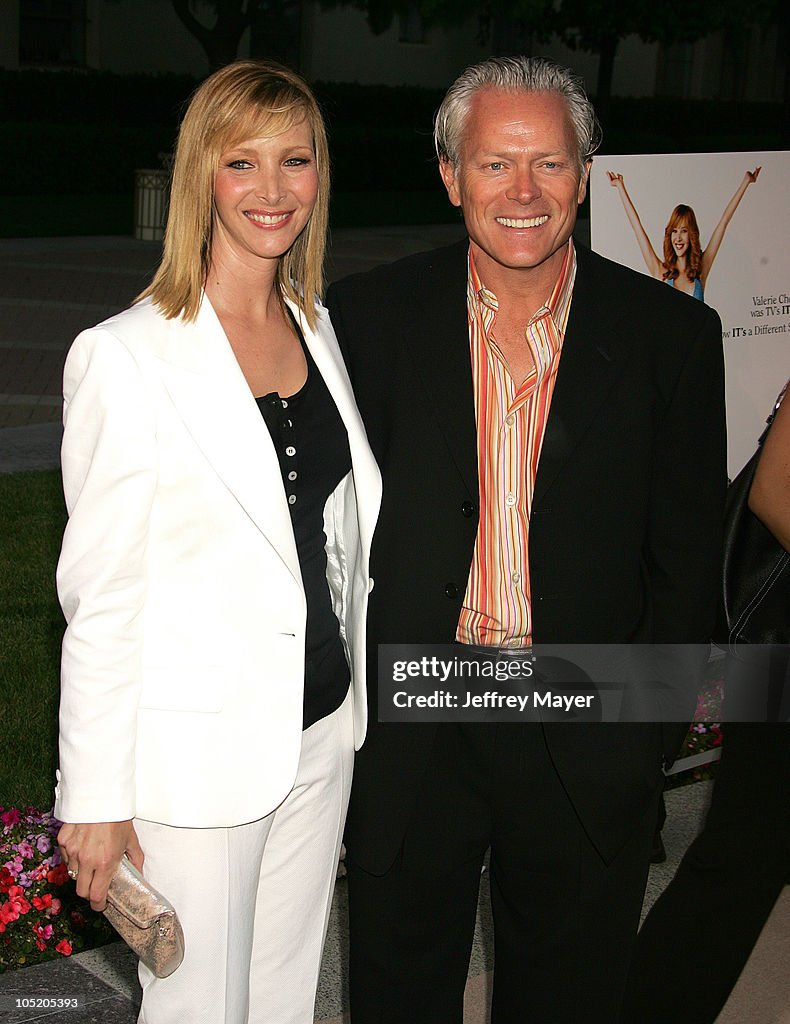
(682, 216)
(248, 99)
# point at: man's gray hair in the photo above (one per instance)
(514, 74)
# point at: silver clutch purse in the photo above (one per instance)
(145, 920)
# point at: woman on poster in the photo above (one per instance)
(686, 265)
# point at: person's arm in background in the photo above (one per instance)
(654, 265)
(713, 246)
(769, 497)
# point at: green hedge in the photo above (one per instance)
(83, 133)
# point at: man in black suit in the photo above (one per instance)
(550, 430)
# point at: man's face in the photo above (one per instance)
(518, 181)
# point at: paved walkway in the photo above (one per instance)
(52, 288)
(107, 982)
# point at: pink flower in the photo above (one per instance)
(44, 844)
(14, 865)
(11, 817)
(43, 934)
(25, 850)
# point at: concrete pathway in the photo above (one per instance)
(52, 288)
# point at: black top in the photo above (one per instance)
(312, 448)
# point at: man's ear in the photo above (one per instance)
(448, 172)
(583, 182)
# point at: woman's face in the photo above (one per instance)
(264, 192)
(679, 237)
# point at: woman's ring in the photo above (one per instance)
(71, 873)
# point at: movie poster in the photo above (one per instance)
(721, 223)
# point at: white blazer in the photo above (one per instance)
(183, 660)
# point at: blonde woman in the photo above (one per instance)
(214, 571)
(685, 264)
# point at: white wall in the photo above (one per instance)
(338, 46)
(146, 36)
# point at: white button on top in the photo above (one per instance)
(291, 499)
(292, 475)
(285, 403)
(290, 450)
(510, 500)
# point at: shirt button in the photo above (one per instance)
(292, 475)
(291, 499)
(510, 500)
(290, 450)
(516, 577)
(468, 509)
(285, 403)
(510, 420)
(451, 590)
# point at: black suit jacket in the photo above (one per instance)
(625, 530)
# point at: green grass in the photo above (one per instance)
(32, 517)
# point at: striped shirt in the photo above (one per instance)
(511, 424)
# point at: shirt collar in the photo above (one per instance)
(557, 304)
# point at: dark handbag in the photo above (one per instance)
(756, 567)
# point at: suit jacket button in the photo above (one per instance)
(468, 509)
(451, 590)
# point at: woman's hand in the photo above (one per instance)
(752, 176)
(616, 180)
(92, 852)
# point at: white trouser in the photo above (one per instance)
(254, 900)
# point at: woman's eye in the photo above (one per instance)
(239, 165)
(296, 161)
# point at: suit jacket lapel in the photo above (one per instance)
(593, 355)
(438, 339)
(210, 394)
(326, 353)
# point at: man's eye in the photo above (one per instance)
(496, 166)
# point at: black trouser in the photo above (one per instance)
(564, 921)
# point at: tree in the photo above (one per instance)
(274, 25)
(266, 18)
(597, 26)
(505, 26)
